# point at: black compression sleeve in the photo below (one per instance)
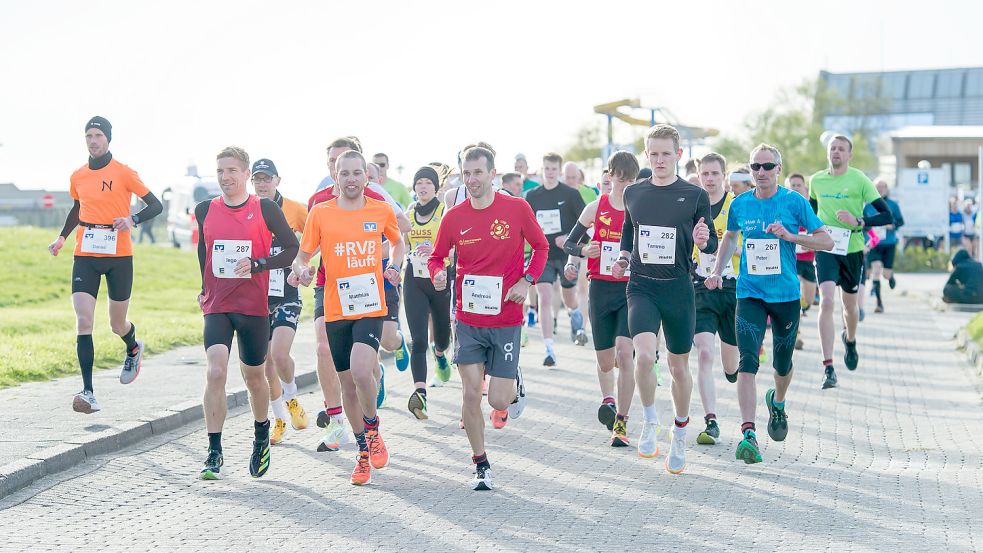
(277, 223)
(153, 209)
(883, 217)
(201, 210)
(627, 232)
(72, 220)
(572, 245)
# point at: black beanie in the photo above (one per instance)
(103, 125)
(426, 172)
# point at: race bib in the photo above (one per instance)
(706, 261)
(226, 254)
(657, 245)
(359, 294)
(881, 233)
(482, 294)
(763, 256)
(609, 255)
(841, 240)
(99, 240)
(277, 277)
(419, 265)
(549, 220)
(956, 228)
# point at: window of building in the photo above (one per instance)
(950, 84)
(921, 85)
(894, 85)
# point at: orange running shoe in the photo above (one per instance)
(498, 418)
(377, 449)
(362, 474)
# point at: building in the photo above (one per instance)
(27, 207)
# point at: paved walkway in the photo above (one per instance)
(889, 461)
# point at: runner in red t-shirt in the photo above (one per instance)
(237, 230)
(488, 232)
(805, 259)
(608, 304)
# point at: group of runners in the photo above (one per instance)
(476, 264)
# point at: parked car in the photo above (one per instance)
(180, 200)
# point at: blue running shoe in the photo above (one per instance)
(380, 399)
(531, 318)
(402, 355)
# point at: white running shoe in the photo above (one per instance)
(85, 402)
(482, 479)
(131, 365)
(334, 437)
(648, 442)
(436, 382)
(519, 404)
(676, 460)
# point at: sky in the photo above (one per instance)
(180, 80)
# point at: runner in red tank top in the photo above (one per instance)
(608, 304)
(237, 230)
(805, 259)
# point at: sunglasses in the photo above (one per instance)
(765, 166)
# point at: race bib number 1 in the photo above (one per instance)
(657, 245)
(481, 294)
(763, 256)
(841, 240)
(226, 254)
(359, 294)
(99, 240)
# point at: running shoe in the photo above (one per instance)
(606, 414)
(550, 360)
(378, 454)
(498, 418)
(362, 474)
(861, 316)
(732, 378)
(131, 365)
(879, 309)
(334, 434)
(402, 355)
(762, 355)
(829, 380)
(850, 357)
(777, 421)
(619, 433)
(259, 461)
(531, 318)
(519, 403)
(710, 435)
(322, 418)
(380, 398)
(577, 327)
(747, 450)
(298, 417)
(799, 344)
(648, 442)
(676, 459)
(658, 370)
(276, 433)
(482, 478)
(442, 364)
(523, 337)
(418, 406)
(891, 282)
(213, 464)
(85, 402)
(435, 382)
(580, 338)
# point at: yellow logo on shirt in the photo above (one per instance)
(499, 230)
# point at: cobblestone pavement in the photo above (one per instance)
(889, 461)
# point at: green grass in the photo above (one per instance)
(37, 322)
(975, 329)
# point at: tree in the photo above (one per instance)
(588, 144)
(794, 123)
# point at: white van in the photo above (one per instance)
(179, 202)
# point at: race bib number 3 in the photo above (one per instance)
(841, 240)
(763, 256)
(226, 254)
(99, 240)
(549, 220)
(359, 294)
(609, 255)
(481, 295)
(657, 245)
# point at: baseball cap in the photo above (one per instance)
(265, 166)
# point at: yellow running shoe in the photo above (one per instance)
(298, 418)
(276, 435)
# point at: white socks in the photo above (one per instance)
(289, 389)
(279, 408)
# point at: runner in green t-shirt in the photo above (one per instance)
(395, 188)
(838, 195)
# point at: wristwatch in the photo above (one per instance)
(528, 278)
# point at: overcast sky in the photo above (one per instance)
(179, 80)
